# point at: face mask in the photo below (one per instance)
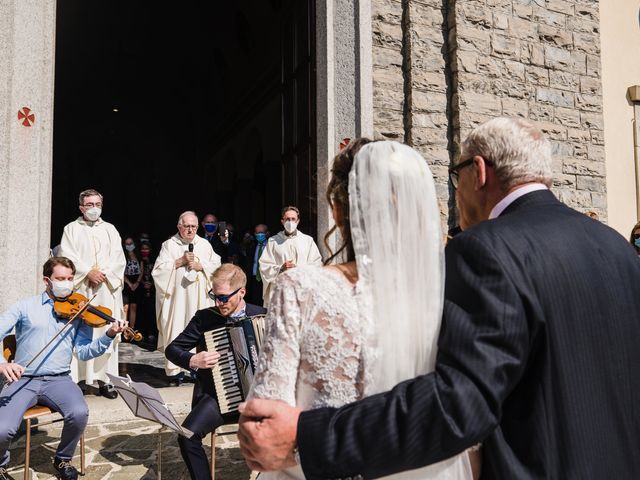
(210, 227)
(93, 213)
(290, 226)
(636, 242)
(61, 288)
(145, 253)
(261, 237)
(229, 233)
(130, 247)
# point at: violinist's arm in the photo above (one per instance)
(8, 320)
(85, 347)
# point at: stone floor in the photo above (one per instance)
(119, 446)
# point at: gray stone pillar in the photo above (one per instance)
(344, 103)
(27, 37)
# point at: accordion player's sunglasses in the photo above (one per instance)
(222, 298)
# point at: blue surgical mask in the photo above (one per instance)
(130, 247)
(261, 237)
(210, 227)
(636, 242)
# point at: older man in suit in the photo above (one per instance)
(537, 353)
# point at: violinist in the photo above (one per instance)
(46, 380)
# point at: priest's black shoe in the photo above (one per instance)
(65, 470)
(108, 391)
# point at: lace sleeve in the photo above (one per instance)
(280, 354)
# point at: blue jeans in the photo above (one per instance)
(59, 393)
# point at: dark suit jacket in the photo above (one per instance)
(538, 354)
(178, 351)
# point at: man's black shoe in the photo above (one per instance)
(65, 469)
(108, 391)
(4, 475)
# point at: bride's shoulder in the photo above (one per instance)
(307, 277)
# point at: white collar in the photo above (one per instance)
(513, 196)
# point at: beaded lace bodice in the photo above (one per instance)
(312, 355)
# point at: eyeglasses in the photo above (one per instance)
(189, 227)
(91, 205)
(222, 298)
(454, 172)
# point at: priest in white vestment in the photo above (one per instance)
(95, 248)
(182, 276)
(288, 249)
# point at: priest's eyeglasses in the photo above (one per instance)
(222, 298)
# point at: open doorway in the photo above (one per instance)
(165, 107)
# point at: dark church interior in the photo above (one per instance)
(165, 107)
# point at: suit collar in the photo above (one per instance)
(537, 198)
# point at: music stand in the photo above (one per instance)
(145, 402)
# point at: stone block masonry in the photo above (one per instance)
(442, 67)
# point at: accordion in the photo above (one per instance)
(238, 344)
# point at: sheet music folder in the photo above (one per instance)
(145, 402)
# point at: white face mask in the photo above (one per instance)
(290, 226)
(61, 288)
(93, 213)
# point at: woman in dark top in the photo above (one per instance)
(133, 273)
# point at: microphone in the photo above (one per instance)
(191, 248)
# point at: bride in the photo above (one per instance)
(341, 332)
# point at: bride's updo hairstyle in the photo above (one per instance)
(338, 198)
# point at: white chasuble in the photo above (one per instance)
(96, 246)
(181, 292)
(297, 248)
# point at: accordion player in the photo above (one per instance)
(205, 413)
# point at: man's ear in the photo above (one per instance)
(480, 172)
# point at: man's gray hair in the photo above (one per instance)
(88, 193)
(184, 214)
(518, 150)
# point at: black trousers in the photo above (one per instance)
(204, 418)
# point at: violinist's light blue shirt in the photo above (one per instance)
(36, 323)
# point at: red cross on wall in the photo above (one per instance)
(26, 117)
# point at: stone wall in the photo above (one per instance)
(442, 67)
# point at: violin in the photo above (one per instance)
(95, 317)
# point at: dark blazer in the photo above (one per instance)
(178, 351)
(538, 357)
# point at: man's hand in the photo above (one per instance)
(116, 328)
(287, 265)
(96, 277)
(11, 371)
(193, 265)
(204, 359)
(268, 434)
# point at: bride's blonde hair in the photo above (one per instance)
(338, 198)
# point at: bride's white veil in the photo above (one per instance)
(395, 228)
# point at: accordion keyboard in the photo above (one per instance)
(225, 372)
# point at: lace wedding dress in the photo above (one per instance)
(328, 342)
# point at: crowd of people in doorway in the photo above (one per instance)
(159, 292)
